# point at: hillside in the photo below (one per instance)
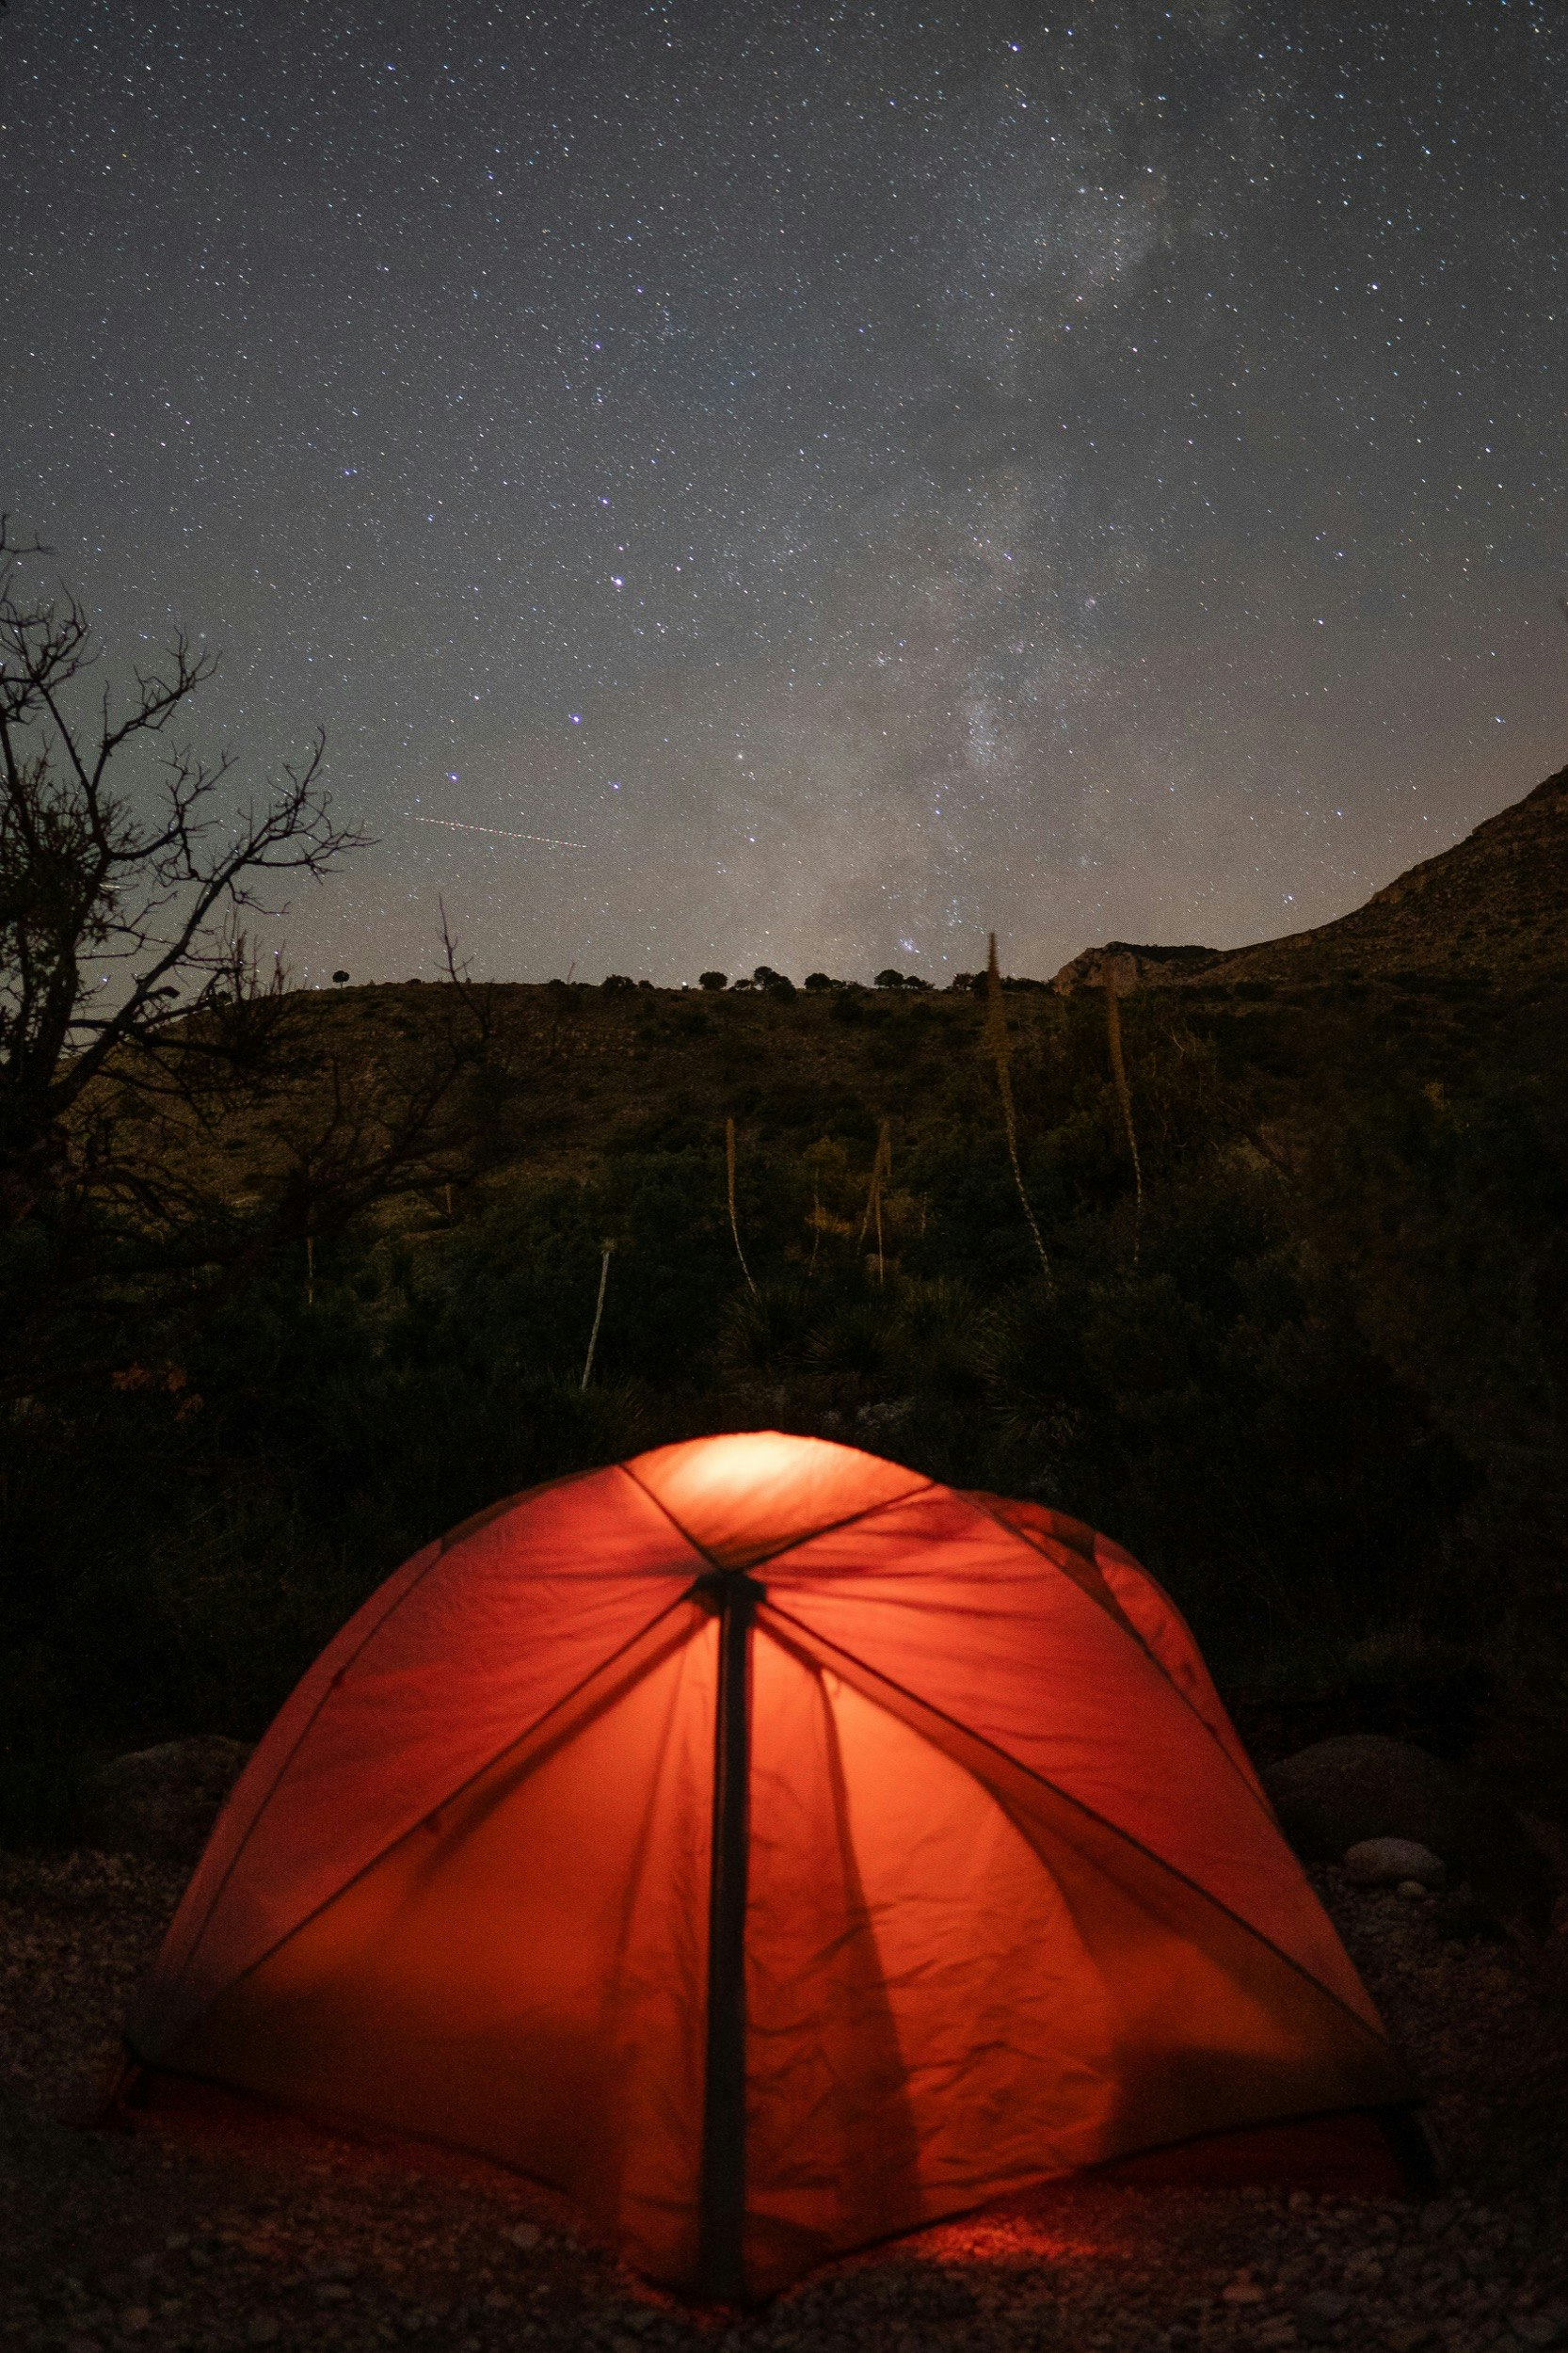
(1465, 959)
(1276, 1294)
(1495, 903)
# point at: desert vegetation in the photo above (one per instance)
(1316, 1383)
(1255, 1262)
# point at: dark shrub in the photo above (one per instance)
(712, 980)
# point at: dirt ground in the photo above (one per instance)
(215, 2232)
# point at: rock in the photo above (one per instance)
(1386, 1862)
(162, 1802)
(524, 2235)
(1412, 1890)
(1362, 1785)
(1131, 966)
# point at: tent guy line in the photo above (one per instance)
(456, 824)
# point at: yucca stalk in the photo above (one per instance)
(881, 1168)
(1123, 1097)
(734, 1220)
(998, 1046)
(606, 1254)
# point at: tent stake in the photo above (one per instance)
(734, 1596)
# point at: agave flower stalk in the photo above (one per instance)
(881, 1168)
(999, 1045)
(606, 1254)
(730, 1182)
(1124, 1095)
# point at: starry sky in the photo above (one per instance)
(867, 474)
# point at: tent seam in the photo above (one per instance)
(829, 1528)
(452, 1795)
(1119, 1616)
(441, 1547)
(1377, 2033)
(518, 1739)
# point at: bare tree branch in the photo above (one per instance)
(121, 853)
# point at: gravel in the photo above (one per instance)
(196, 2236)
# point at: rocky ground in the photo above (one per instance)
(208, 2234)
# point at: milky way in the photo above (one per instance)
(870, 474)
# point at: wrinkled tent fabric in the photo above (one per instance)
(1015, 1901)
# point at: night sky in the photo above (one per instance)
(868, 475)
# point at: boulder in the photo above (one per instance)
(1393, 1863)
(1362, 1785)
(162, 1802)
(1340, 1793)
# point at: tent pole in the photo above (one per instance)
(734, 1598)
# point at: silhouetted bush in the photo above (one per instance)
(1321, 1403)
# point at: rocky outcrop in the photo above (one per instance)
(162, 1802)
(1132, 966)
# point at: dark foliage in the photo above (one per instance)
(139, 1048)
(1324, 1403)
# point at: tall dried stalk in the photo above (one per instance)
(881, 1168)
(734, 1220)
(606, 1254)
(309, 1270)
(1123, 1097)
(1001, 1052)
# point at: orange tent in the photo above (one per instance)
(772, 1850)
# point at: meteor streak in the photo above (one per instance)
(456, 824)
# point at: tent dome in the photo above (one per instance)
(772, 1849)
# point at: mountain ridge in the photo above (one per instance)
(1496, 900)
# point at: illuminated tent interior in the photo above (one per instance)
(772, 1850)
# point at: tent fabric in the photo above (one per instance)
(1016, 1904)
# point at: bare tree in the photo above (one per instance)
(133, 1020)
